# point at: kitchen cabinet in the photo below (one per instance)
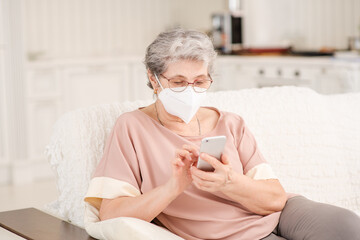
(230, 75)
(90, 85)
(323, 74)
(54, 88)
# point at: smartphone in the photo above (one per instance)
(213, 146)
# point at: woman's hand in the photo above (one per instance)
(213, 181)
(259, 196)
(181, 176)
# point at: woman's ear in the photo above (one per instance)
(152, 79)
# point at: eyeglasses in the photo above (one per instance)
(178, 84)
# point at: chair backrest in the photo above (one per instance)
(312, 141)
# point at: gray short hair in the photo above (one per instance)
(178, 44)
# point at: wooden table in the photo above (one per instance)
(33, 224)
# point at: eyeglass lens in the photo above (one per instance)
(199, 85)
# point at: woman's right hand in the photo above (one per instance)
(147, 206)
(181, 164)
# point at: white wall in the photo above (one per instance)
(92, 28)
(309, 24)
(3, 139)
(3, 143)
(84, 28)
(195, 14)
(12, 99)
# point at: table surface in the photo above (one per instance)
(33, 224)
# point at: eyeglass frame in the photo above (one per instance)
(168, 79)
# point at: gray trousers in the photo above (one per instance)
(308, 220)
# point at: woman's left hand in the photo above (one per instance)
(216, 180)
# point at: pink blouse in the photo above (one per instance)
(137, 158)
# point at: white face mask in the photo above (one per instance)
(183, 104)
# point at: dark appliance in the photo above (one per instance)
(227, 32)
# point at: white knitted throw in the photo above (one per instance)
(312, 142)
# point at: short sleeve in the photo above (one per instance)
(117, 173)
(254, 163)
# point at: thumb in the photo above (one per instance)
(225, 159)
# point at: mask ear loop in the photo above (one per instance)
(157, 79)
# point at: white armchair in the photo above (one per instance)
(312, 142)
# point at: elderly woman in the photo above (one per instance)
(149, 162)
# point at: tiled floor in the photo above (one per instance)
(30, 195)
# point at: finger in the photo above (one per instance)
(202, 183)
(225, 159)
(215, 163)
(214, 178)
(197, 185)
(178, 162)
(203, 188)
(195, 162)
(193, 149)
(205, 176)
(183, 153)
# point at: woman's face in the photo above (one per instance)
(188, 70)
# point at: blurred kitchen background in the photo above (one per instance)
(59, 55)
